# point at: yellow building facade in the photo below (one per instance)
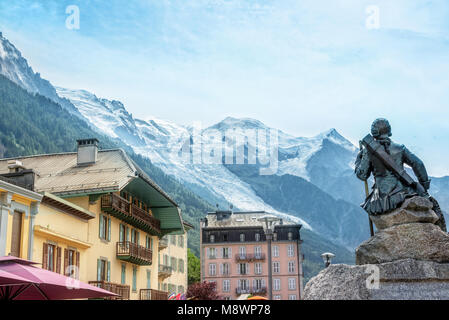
(100, 220)
(18, 209)
(173, 263)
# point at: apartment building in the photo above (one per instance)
(234, 256)
(100, 218)
(173, 262)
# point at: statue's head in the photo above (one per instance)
(381, 129)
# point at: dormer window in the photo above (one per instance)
(211, 238)
(242, 237)
(290, 236)
(257, 236)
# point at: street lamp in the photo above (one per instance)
(327, 258)
(268, 227)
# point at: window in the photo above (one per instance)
(135, 236)
(276, 284)
(291, 267)
(181, 265)
(123, 273)
(173, 264)
(226, 285)
(224, 268)
(173, 239)
(51, 258)
(257, 237)
(276, 267)
(258, 252)
(148, 279)
(212, 269)
(243, 284)
(258, 268)
(211, 238)
(212, 253)
(243, 268)
(275, 251)
(242, 252)
(277, 297)
(71, 263)
(292, 297)
(290, 236)
(290, 250)
(291, 283)
(180, 289)
(103, 270)
(181, 241)
(225, 237)
(122, 233)
(105, 228)
(227, 298)
(242, 237)
(225, 253)
(259, 284)
(134, 279)
(275, 236)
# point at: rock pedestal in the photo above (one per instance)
(408, 258)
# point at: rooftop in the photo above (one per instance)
(229, 219)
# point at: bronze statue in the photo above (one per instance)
(385, 160)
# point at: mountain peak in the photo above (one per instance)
(241, 123)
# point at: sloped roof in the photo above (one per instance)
(59, 174)
(240, 219)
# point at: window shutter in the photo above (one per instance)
(98, 270)
(121, 232)
(137, 240)
(58, 260)
(221, 268)
(263, 283)
(66, 261)
(127, 233)
(77, 265)
(109, 229)
(109, 271)
(45, 256)
(247, 268)
(100, 225)
(230, 252)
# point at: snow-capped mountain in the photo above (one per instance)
(16, 68)
(309, 180)
(202, 159)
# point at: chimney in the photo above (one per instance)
(19, 175)
(87, 151)
(15, 166)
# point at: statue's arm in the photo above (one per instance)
(418, 167)
(363, 167)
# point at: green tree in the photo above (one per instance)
(194, 267)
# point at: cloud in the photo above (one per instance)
(302, 66)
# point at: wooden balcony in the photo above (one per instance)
(164, 271)
(134, 253)
(120, 289)
(151, 294)
(163, 243)
(130, 213)
(249, 257)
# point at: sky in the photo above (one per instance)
(300, 66)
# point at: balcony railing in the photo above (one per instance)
(251, 290)
(130, 213)
(151, 294)
(250, 257)
(165, 271)
(134, 253)
(163, 243)
(121, 290)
